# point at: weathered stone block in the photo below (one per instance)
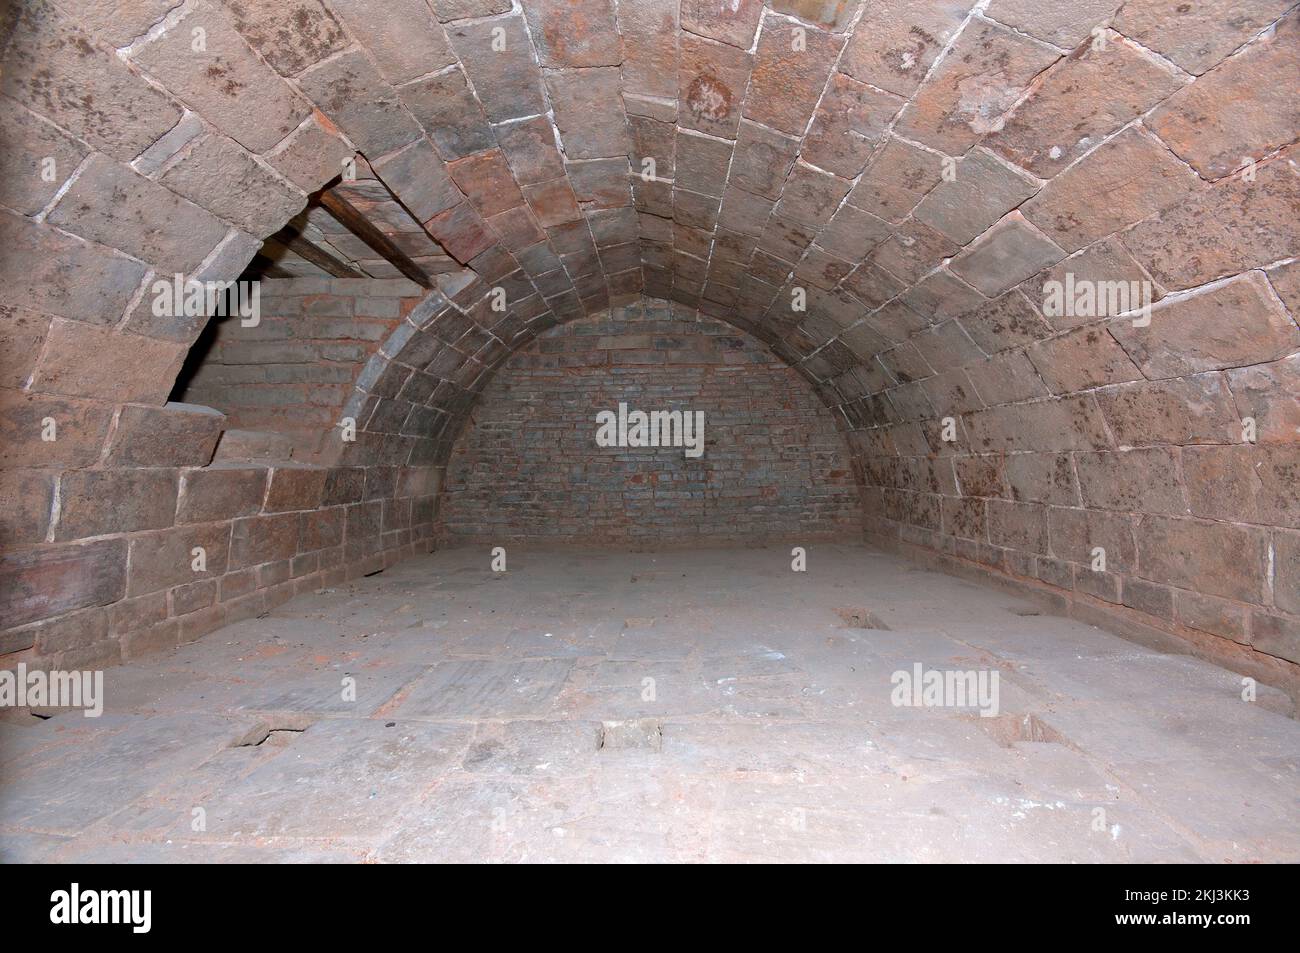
(985, 189)
(1136, 174)
(1006, 378)
(311, 156)
(263, 539)
(853, 233)
(220, 492)
(711, 81)
(170, 558)
(503, 71)
(649, 30)
(1063, 24)
(811, 196)
(1242, 110)
(52, 67)
(1019, 526)
(85, 361)
(1194, 409)
(1267, 393)
(1100, 267)
(1071, 423)
(1197, 36)
(1081, 100)
(448, 10)
(701, 163)
(292, 34)
(912, 251)
(1076, 535)
(1042, 478)
(224, 179)
(1232, 324)
(1215, 558)
(589, 112)
(461, 231)
(1005, 255)
(486, 181)
(166, 230)
(832, 14)
(1286, 584)
(850, 120)
(38, 158)
(75, 431)
(1142, 481)
(46, 271)
(420, 179)
(896, 180)
(401, 35)
(354, 95)
(1149, 598)
(1275, 635)
(790, 72)
(321, 529)
(1221, 230)
(104, 502)
(728, 21)
(121, 21)
(970, 91)
(174, 435)
(25, 499)
(529, 146)
(41, 583)
(897, 41)
(518, 229)
(295, 488)
(445, 107)
(219, 81)
(1082, 359)
(573, 33)
(601, 182)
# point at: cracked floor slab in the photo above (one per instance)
(716, 709)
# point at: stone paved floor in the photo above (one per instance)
(709, 705)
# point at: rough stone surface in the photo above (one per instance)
(972, 89)
(1197, 37)
(481, 717)
(1216, 140)
(1082, 99)
(219, 80)
(803, 194)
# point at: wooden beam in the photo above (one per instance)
(300, 246)
(351, 218)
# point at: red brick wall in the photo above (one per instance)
(774, 464)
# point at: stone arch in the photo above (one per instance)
(890, 239)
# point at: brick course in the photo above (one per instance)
(1160, 148)
(528, 466)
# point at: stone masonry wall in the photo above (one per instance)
(528, 466)
(877, 190)
(292, 373)
(134, 526)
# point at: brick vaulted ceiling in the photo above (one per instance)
(730, 155)
(879, 190)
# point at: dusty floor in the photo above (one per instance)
(757, 725)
